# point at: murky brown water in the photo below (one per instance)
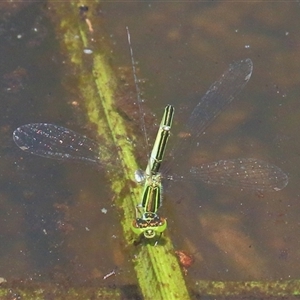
(51, 212)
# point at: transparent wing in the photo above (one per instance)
(56, 142)
(220, 94)
(245, 173)
(217, 98)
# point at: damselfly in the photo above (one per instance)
(57, 142)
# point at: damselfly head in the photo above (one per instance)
(150, 225)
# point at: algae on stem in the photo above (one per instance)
(157, 268)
